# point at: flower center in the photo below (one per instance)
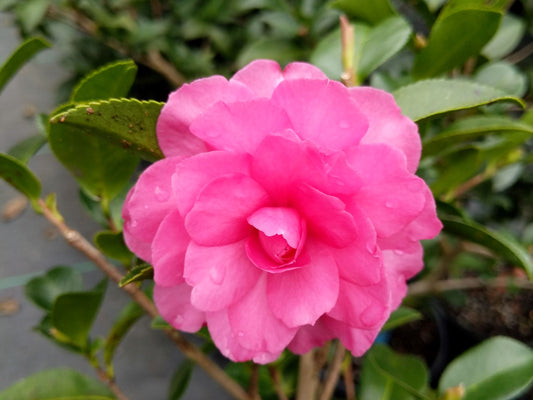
(279, 239)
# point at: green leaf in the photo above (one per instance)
(383, 41)
(504, 76)
(30, 13)
(43, 290)
(20, 56)
(159, 323)
(492, 240)
(125, 320)
(471, 128)
(387, 375)
(497, 369)
(59, 383)
(434, 5)
(19, 176)
(506, 39)
(455, 169)
(371, 11)
(128, 123)
(112, 245)
(507, 176)
(477, 20)
(430, 97)
(73, 313)
(280, 50)
(101, 168)
(137, 273)
(25, 149)
(401, 316)
(180, 380)
(112, 80)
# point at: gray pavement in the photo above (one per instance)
(29, 245)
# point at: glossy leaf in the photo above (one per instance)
(387, 375)
(431, 97)
(456, 168)
(401, 316)
(73, 313)
(14, 172)
(471, 128)
(137, 273)
(59, 383)
(371, 11)
(43, 290)
(112, 245)
(477, 20)
(500, 368)
(112, 80)
(180, 380)
(506, 38)
(125, 320)
(25, 149)
(128, 123)
(20, 56)
(504, 76)
(492, 240)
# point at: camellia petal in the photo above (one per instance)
(219, 215)
(175, 306)
(395, 130)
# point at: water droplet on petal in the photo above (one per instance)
(179, 319)
(217, 275)
(399, 252)
(389, 204)
(134, 223)
(412, 238)
(344, 124)
(240, 334)
(161, 194)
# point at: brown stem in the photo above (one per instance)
(422, 288)
(276, 379)
(102, 375)
(348, 378)
(333, 372)
(253, 389)
(307, 377)
(349, 74)
(521, 54)
(76, 240)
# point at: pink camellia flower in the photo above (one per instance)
(285, 213)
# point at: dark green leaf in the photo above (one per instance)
(402, 315)
(371, 11)
(43, 290)
(497, 369)
(20, 56)
(73, 313)
(126, 319)
(112, 80)
(472, 128)
(506, 39)
(492, 240)
(59, 383)
(455, 169)
(101, 168)
(19, 176)
(31, 12)
(128, 123)
(25, 149)
(137, 273)
(112, 245)
(436, 96)
(477, 20)
(46, 328)
(387, 375)
(180, 380)
(280, 50)
(159, 323)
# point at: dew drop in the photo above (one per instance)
(179, 319)
(134, 223)
(344, 124)
(399, 252)
(389, 204)
(217, 275)
(240, 334)
(161, 194)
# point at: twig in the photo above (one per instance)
(349, 74)
(253, 389)
(333, 372)
(76, 240)
(422, 288)
(520, 55)
(348, 378)
(307, 377)
(104, 377)
(276, 379)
